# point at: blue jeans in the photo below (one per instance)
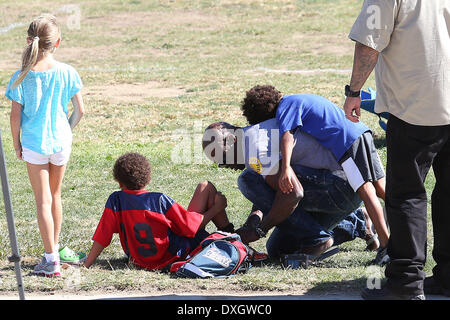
(329, 203)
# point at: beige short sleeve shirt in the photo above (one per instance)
(413, 69)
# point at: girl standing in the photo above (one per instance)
(42, 132)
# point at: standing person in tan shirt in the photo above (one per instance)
(408, 44)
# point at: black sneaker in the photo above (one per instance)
(386, 294)
(381, 258)
(432, 287)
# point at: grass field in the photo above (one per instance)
(152, 69)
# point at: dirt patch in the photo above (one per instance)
(334, 44)
(77, 55)
(157, 23)
(132, 92)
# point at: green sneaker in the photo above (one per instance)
(67, 255)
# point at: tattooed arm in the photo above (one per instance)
(364, 62)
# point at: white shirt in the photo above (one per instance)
(413, 69)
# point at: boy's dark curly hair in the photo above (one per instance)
(260, 103)
(133, 171)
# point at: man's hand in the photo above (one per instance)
(364, 62)
(352, 108)
(285, 180)
(220, 201)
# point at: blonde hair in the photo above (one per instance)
(43, 33)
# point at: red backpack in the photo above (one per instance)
(219, 255)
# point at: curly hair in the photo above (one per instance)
(133, 171)
(260, 103)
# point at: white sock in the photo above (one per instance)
(51, 257)
(57, 247)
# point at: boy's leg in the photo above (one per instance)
(39, 178)
(373, 206)
(203, 199)
(380, 187)
(362, 166)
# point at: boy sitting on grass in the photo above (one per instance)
(351, 144)
(154, 230)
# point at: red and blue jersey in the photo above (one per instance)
(154, 230)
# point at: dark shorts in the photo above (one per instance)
(361, 162)
(182, 246)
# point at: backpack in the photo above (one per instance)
(219, 255)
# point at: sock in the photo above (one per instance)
(51, 257)
(57, 247)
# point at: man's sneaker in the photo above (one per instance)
(67, 255)
(381, 258)
(248, 231)
(47, 269)
(386, 294)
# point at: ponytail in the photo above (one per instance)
(29, 59)
(43, 33)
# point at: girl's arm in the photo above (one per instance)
(96, 249)
(15, 117)
(78, 110)
(285, 180)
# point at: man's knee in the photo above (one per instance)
(296, 194)
(247, 180)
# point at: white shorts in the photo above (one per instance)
(58, 159)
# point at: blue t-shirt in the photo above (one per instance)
(322, 119)
(44, 97)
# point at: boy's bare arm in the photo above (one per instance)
(96, 250)
(285, 179)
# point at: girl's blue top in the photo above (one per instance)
(44, 97)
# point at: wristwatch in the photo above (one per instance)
(350, 93)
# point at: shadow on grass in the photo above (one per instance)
(115, 264)
(351, 287)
